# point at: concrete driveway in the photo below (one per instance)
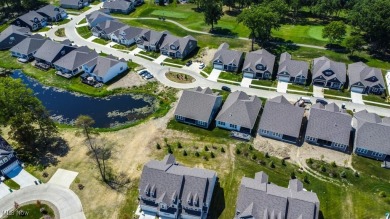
(160, 59)
(318, 91)
(63, 177)
(357, 98)
(246, 82)
(4, 190)
(282, 87)
(22, 177)
(214, 75)
(135, 51)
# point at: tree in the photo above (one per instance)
(229, 3)
(335, 31)
(354, 43)
(222, 150)
(212, 12)
(292, 175)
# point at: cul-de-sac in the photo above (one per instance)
(195, 109)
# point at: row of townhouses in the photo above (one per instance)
(327, 126)
(113, 6)
(325, 72)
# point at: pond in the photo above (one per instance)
(65, 107)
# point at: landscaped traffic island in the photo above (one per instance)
(180, 77)
(32, 211)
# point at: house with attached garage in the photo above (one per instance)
(198, 107)
(32, 20)
(13, 35)
(239, 112)
(51, 51)
(281, 120)
(103, 69)
(170, 190)
(364, 79)
(371, 135)
(28, 47)
(8, 159)
(227, 60)
(258, 198)
(178, 47)
(74, 4)
(119, 6)
(292, 71)
(52, 13)
(258, 64)
(106, 28)
(97, 17)
(127, 35)
(329, 126)
(150, 40)
(328, 73)
(71, 64)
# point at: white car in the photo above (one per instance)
(201, 65)
(22, 60)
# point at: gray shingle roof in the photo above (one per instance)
(117, 4)
(259, 199)
(50, 10)
(197, 103)
(282, 117)
(91, 17)
(129, 32)
(360, 72)
(102, 64)
(323, 63)
(49, 50)
(240, 109)
(149, 37)
(328, 123)
(109, 26)
(227, 56)
(179, 42)
(4, 145)
(70, 2)
(293, 67)
(76, 58)
(14, 30)
(372, 133)
(29, 17)
(261, 56)
(29, 45)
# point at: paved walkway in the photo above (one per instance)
(111, 44)
(160, 59)
(357, 98)
(214, 75)
(22, 177)
(64, 199)
(387, 79)
(63, 177)
(135, 51)
(282, 87)
(318, 91)
(4, 190)
(246, 82)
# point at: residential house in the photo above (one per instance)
(74, 4)
(170, 190)
(258, 64)
(13, 35)
(103, 69)
(239, 112)
(292, 71)
(198, 107)
(259, 198)
(127, 35)
(32, 20)
(52, 13)
(165, 2)
(329, 126)
(372, 135)
(8, 159)
(71, 64)
(328, 73)
(364, 79)
(106, 28)
(227, 60)
(51, 51)
(150, 40)
(178, 47)
(28, 47)
(119, 6)
(97, 17)
(281, 120)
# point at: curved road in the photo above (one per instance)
(64, 199)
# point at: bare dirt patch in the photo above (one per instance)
(130, 80)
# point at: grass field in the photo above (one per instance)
(83, 21)
(342, 93)
(151, 54)
(267, 83)
(31, 211)
(169, 14)
(84, 32)
(375, 98)
(230, 76)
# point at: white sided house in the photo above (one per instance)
(103, 69)
(258, 64)
(8, 160)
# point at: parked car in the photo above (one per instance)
(142, 72)
(322, 101)
(149, 76)
(201, 66)
(305, 100)
(22, 60)
(188, 63)
(226, 88)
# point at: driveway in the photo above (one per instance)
(22, 177)
(246, 82)
(160, 59)
(214, 75)
(63, 178)
(318, 91)
(357, 98)
(135, 51)
(4, 190)
(282, 87)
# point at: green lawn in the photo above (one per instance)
(44, 29)
(84, 32)
(300, 87)
(31, 211)
(123, 47)
(342, 93)
(150, 54)
(69, 10)
(101, 41)
(230, 76)
(169, 14)
(83, 21)
(12, 184)
(145, 57)
(375, 98)
(267, 83)
(62, 22)
(176, 61)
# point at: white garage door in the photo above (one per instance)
(284, 78)
(249, 75)
(357, 89)
(219, 67)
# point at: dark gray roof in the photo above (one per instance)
(323, 63)
(29, 17)
(227, 56)
(372, 133)
(261, 56)
(29, 45)
(12, 29)
(49, 50)
(282, 117)
(129, 32)
(50, 10)
(150, 37)
(360, 72)
(293, 67)
(197, 103)
(179, 42)
(328, 123)
(4, 145)
(76, 58)
(102, 64)
(259, 199)
(109, 26)
(117, 4)
(97, 15)
(70, 2)
(240, 109)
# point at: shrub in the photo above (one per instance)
(222, 150)
(179, 145)
(205, 158)
(246, 154)
(382, 194)
(250, 147)
(310, 161)
(261, 162)
(158, 146)
(254, 157)
(206, 148)
(184, 153)
(322, 168)
(333, 164)
(197, 154)
(343, 174)
(333, 174)
(169, 149)
(266, 155)
(271, 164)
(214, 147)
(306, 179)
(238, 151)
(356, 174)
(292, 175)
(283, 162)
(45, 175)
(212, 154)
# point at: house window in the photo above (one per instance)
(260, 67)
(374, 89)
(233, 126)
(221, 123)
(362, 150)
(377, 154)
(12, 38)
(121, 68)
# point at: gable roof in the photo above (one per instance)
(197, 103)
(28, 18)
(109, 26)
(4, 145)
(323, 63)
(227, 56)
(179, 42)
(76, 58)
(293, 67)
(29, 44)
(261, 56)
(117, 4)
(328, 123)
(282, 117)
(12, 29)
(149, 37)
(50, 10)
(360, 72)
(240, 109)
(129, 32)
(103, 64)
(95, 15)
(49, 50)
(70, 2)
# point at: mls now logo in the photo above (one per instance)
(16, 213)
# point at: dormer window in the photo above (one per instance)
(328, 72)
(173, 47)
(372, 79)
(260, 67)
